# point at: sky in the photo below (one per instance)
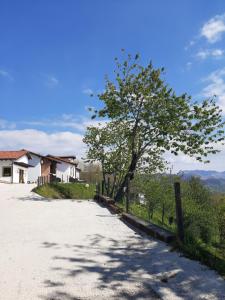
(54, 54)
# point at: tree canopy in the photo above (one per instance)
(145, 118)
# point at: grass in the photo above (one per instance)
(141, 211)
(66, 191)
(211, 255)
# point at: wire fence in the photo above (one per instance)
(185, 207)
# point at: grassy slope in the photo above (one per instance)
(66, 191)
(212, 256)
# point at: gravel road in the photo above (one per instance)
(67, 250)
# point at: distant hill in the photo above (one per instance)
(213, 179)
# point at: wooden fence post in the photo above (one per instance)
(179, 212)
(128, 195)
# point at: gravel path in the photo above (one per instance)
(64, 250)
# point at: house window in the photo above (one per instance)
(7, 172)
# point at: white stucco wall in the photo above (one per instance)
(66, 170)
(15, 170)
(23, 159)
(5, 163)
(34, 172)
(16, 173)
(63, 171)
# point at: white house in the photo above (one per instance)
(35, 161)
(74, 170)
(66, 167)
(25, 166)
(14, 166)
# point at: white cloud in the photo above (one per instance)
(216, 87)
(88, 91)
(215, 53)
(51, 81)
(203, 54)
(213, 29)
(188, 65)
(4, 124)
(66, 121)
(6, 75)
(67, 143)
(67, 138)
(190, 44)
(184, 162)
(58, 143)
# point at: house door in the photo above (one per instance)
(21, 176)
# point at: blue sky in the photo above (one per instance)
(54, 53)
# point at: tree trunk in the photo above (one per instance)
(129, 175)
(113, 187)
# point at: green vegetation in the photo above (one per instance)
(203, 213)
(145, 118)
(66, 191)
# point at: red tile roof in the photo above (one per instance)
(12, 154)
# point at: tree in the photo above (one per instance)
(108, 144)
(221, 222)
(91, 173)
(158, 194)
(199, 213)
(154, 119)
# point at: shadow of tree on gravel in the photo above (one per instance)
(127, 269)
(33, 198)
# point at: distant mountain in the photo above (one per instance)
(213, 179)
(204, 174)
